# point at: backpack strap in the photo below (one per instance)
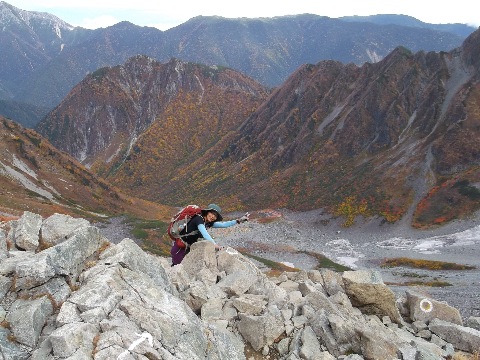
(194, 232)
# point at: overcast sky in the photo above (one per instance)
(163, 15)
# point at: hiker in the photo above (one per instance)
(196, 228)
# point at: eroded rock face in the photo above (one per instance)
(367, 291)
(87, 298)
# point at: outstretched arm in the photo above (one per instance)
(204, 232)
(224, 224)
(207, 236)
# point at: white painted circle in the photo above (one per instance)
(426, 305)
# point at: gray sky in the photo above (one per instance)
(163, 15)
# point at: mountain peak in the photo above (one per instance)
(10, 15)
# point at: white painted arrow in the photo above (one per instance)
(144, 336)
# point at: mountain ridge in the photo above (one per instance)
(371, 140)
(120, 104)
(268, 50)
(405, 20)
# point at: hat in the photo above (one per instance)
(216, 209)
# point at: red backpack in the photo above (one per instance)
(179, 222)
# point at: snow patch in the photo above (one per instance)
(22, 179)
(348, 261)
(20, 165)
(342, 251)
(289, 264)
(434, 244)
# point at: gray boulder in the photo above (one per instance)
(376, 343)
(73, 339)
(321, 326)
(5, 285)
(241, 274)
(68, 313)
(237, 283)
(201, 262)
(67, 259)
(332, 282)
(250, 304)
(367, 291)
(264, 286)
(196, 296)
(26, 230)
(27, 318)
(130, 255)
(178, 277)
(307, 287)
(316, 277)
(59, 227)
(8, 265)
(8, 349)
(424, 309)
(473, 322)
(231, 261)
(261, 330)
(213, 309)
(227, 345)
(56, 288)
(462, 338)
(310, 348)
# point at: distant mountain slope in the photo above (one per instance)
(44, 58)
(398, 138)
(143, 105)
(382, 138)
(28, 41)
(462, 30)
(35, 176)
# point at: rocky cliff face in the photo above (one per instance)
(66, 292)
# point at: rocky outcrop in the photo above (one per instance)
(367, 291)
(87, 298)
